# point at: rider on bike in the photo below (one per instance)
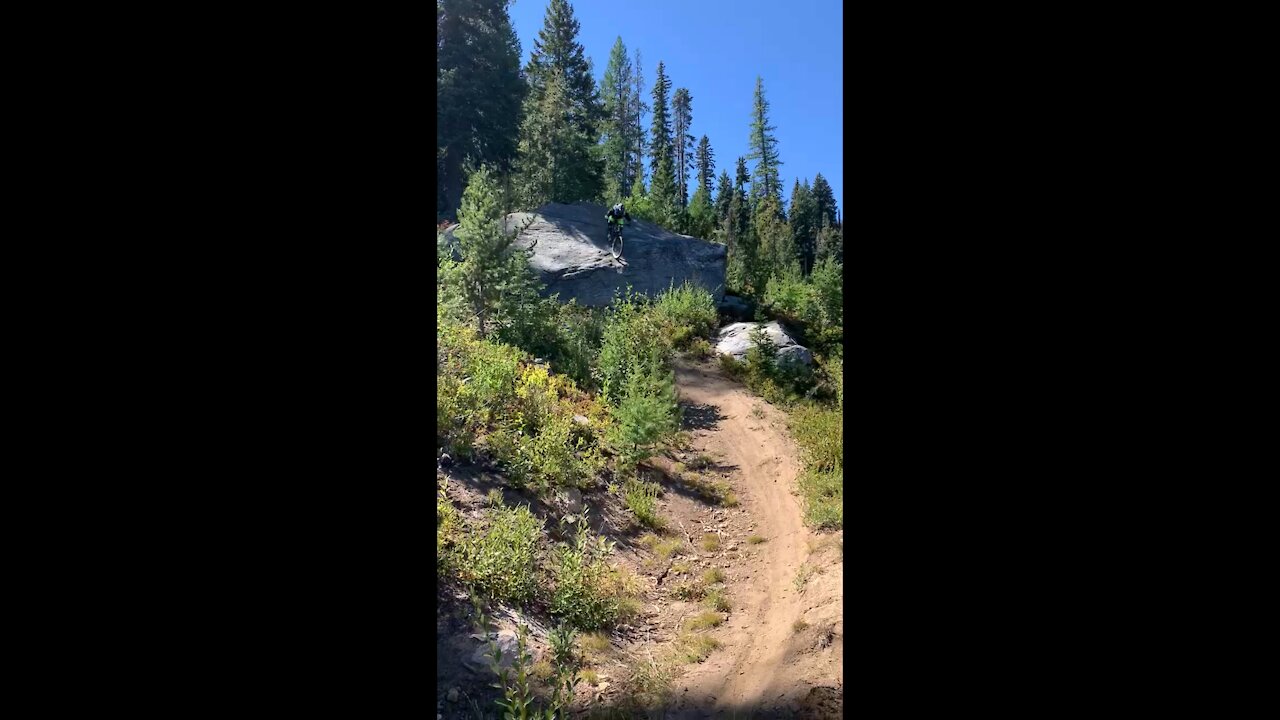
(616, 214)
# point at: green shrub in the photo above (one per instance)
(641, 500)
(820, 433)
(700, 349)
(588, 590)
(634, 339)
(646, 415)
(824, 498)
(686, 313)
(500, 561)
(448, 529)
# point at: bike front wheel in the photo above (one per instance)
(615, 247)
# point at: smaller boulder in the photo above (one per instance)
(735, 341)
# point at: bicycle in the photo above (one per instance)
(615, 240)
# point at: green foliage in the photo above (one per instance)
(521, 414)
(620, 127)
(558, 156)
(705, 160)
(645, 416)
(764, 150)
(478, 92)
(824, 498)
(825, 200)
(500, 561)
(682, 143)
(493, 279)
(448, 527)
(701, 216)
(562, 640)
(641, 500)
(687, 312)
(804, 223)
(633, 341)
(813, 305)
(588, 589)
(820, 433)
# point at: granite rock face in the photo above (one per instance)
(571, 255)
(735, 340)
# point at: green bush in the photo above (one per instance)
(500, 561)
(448, 528)
(820, 433)
(687, 312)
(646, 415)
(588, 590)
(824, 498)
(634, 339)
(641, 499)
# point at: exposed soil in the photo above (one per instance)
(782, 644)
(766, 667)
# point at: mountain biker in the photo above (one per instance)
(617, 214)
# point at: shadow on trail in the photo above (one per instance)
(699, 417)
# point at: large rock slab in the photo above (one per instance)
(571, 255)
(735, 340)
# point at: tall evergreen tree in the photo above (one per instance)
(618, 147)
(804, 224)
(492, 276)
(552, 151)
(825, 199)
(479, 90)
(706, 162)
(638, 108)
(701, 216)
(724, 195)
(764, 150)
(662, 189)
(558, 57)
(830, 243)
(742, 214)
(682, 146)
(660, 121)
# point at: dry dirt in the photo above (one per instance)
(782, 644)
(766, 667)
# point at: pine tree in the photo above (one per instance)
(638, 108)
(618, 147)
(825, 200)
(493, 275)
(660, 122)
(479, 90)
(724, 195)
(558, 58)
(830, 243)
(663, 189)
(742, 215)
(702, 217)
(706, 162)
(553, 151)
(682, 147)
(764, 150)
(804, 224)
(775, 253)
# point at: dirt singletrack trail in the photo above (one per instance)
(765, 667)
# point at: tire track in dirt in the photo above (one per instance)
(753, 671)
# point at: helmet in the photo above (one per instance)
(619, 209)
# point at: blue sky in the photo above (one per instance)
(715, 48)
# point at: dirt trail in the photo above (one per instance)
(765, 666)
